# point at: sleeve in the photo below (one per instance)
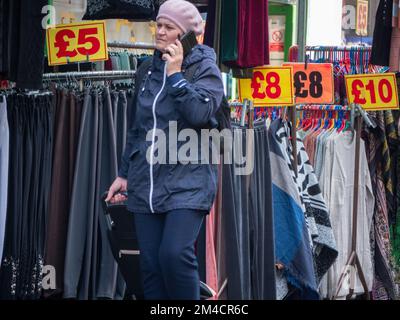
(123, 170)
(197, 102)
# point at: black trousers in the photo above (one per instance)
(30, 121)
(247, 219)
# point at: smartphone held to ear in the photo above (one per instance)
(189, 41)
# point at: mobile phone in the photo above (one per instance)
(189, 41)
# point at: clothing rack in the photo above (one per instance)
(338, 48)
(356, 56)
(126, 45)
(248, 106)
(90, 75)
(353, 262)
(327, 107)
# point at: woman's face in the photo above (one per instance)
(166, 34)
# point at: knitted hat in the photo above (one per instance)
(184, 14)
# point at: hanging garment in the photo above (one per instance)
(65, 144)
(379, 159)
(90, 269)
(3, 36)
(324, 243)
(107, 172)
(4, 155)
(395, 229)
(292, 238)
(382, 34)
(25, 43)
(245, 248)
(229, 30)
(30, 121)
(394, 59)
(79, 236)
(252, 35)
(236, 227)
(211, 23)
(120, 9)
(390, 176)
(337, 183)
(211, 260)
(396, 14)
(262, 239)
(315, 210)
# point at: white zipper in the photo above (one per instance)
(153, 139)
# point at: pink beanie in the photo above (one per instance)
(184, 14)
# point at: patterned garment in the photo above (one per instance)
(378, 290)
(379, 162)
(292, 244)
(325, 249)
(394, 142)
(316, 213)
(390, 167)
(395, 230)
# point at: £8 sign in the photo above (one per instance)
(269, 86)
(77, 42)
(373, 91)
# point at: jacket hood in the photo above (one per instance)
(200, 52)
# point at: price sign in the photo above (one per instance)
(270, 86)
(362, 18)
(373, 92)
(313, 85)
(84, 41)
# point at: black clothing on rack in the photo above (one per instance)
(30, 121)
(22, 42)
(382, 34)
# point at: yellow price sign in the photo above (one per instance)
(374, 92)
(362, 18)
(77, 42)
(270, 86)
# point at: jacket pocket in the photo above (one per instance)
(133, 169)
(133, 153)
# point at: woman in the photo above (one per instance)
(170, 201)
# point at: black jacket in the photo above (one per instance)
(161, 187)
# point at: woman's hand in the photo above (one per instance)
(119, 185)
(174, 57)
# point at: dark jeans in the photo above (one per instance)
(168, 261)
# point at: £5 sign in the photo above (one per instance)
(83, 41)
(362, 18)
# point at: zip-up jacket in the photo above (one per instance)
(179, 182)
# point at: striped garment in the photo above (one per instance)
(292, 236)
(379, 162)
(316, 213)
